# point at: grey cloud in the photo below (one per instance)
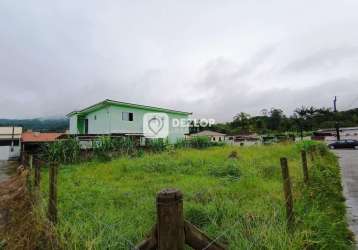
(212, 58)
(324, 59)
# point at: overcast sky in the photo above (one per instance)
(213, 58)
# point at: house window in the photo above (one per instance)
(127, 116)
(95, 117)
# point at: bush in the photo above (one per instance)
(105, 145)
(183, 143)
(123, 145)
(62, 151)
(322, 149)
(200, 142)
(308, 146)
(230, 169)
(157, 145)
(313, 147)
(234, 154)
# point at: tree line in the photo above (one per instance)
(40, 125)
(303, 119)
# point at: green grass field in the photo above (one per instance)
(112, 205)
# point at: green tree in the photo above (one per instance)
(275, 119)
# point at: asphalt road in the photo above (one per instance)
(348, 160)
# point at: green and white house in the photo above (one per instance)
(120, 118)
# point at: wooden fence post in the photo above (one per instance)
(171, 231)
(170, 220)
(287, 192)
(31, 161)
(304, 166)
(52, 205)
(37, 173)
(23, 155)
(27, 163)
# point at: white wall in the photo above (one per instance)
(5, 152)
(109, 120)
(99, 122)
(73, 124)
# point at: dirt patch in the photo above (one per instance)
(21, 225)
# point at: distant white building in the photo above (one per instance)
(245, 140)
(345, 133)
(212, 135)
(10, 142)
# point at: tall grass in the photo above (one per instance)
(200, 142)
(157, 145)
(238, 199)
(106, 147)
(62, 151)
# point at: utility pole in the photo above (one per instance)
(12, 138)
(337, 124)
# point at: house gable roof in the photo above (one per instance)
(109, 102)
(208, 133)
(39, 137)
(7, 132)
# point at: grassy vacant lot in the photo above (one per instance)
(240, 200)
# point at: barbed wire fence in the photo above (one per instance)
(99, 225)
(200, 240)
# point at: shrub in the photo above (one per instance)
(102, 147)
(123, 145)
(322, 149)
(308, 146)
(233, 154)
(200, 142)
(230, 169)
(62, 151)
(157, 145)
(139, 152)
(183, 143)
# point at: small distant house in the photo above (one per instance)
(116, 118)
(32, 141)
(348, 133)
(212, 135)
(245, 139)
(10, 145)
(268, 139)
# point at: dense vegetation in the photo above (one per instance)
(41, 125)
(106, 147)
(275, 121)
(231, 193)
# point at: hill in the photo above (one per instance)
(38, 124)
